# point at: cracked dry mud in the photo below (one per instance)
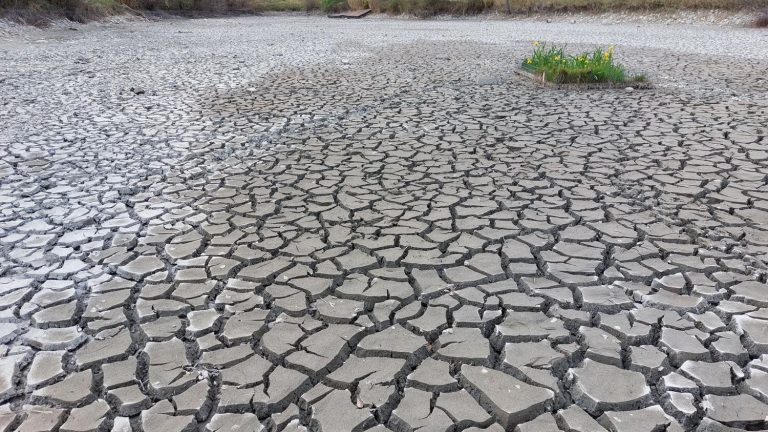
(292, 224)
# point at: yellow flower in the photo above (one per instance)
(529, 61)
(536, 43)
(557, 58)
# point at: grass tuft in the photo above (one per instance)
(554, 65)
(332, 5)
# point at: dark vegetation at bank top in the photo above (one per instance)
(38, 12)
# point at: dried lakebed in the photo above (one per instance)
(294, 223)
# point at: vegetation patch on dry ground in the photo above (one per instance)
(554, 65)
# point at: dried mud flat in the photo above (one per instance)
(294, 223)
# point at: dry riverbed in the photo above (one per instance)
(295, 223)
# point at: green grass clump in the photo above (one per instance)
(554, 65)
(332, 5)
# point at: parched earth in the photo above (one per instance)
(294, 223)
